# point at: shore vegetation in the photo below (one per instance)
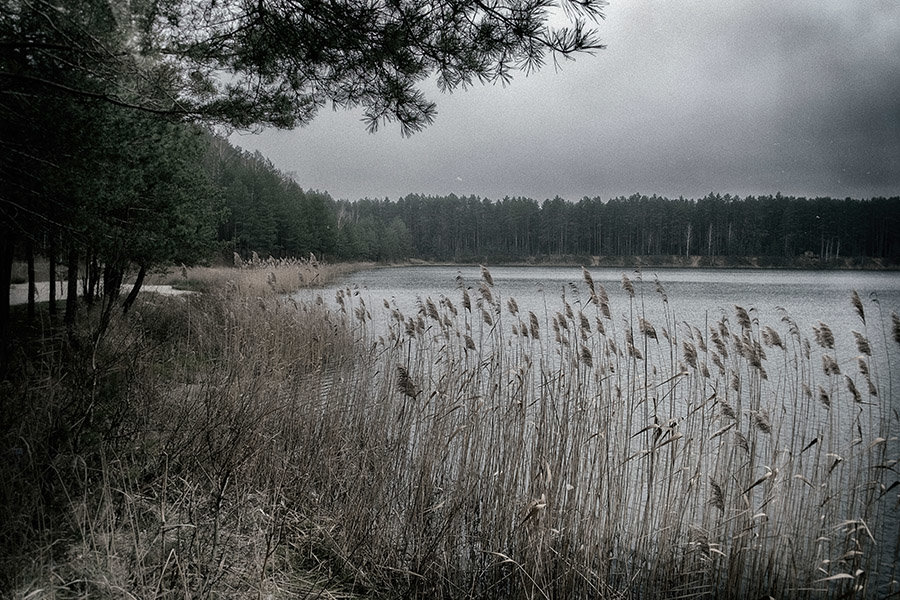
(239, 443)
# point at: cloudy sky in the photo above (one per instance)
(690, 97)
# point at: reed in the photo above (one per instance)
(600, 464)
(260, 277)
(475, 449)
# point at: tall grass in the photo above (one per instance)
(260, 277)
(574, 455)
(242, 444)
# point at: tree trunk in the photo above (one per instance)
(132, 296)
(32, 287)
(92, 279)
(71, 289)
(51, 265)
(112, 286)
(6, 259)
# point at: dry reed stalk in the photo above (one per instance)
(857, 304)
(830, 365)
(486, 275)
(862, 344)
(647, 329)
(824, 336)
(771, 338)
(628, 286)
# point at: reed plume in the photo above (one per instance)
(406, 383)
(824, 336)
(627, 285)
(486, 275)
(743, 317)
(862, 344)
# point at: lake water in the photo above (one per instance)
(694, 295)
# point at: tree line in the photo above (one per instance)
(451, 228)
(269, 213)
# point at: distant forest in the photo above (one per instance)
(269, 213)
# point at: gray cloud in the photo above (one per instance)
(690, 97)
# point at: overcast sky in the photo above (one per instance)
(800, 97)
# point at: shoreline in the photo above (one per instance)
(18, 292)
(752, 263)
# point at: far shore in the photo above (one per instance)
(803, 263)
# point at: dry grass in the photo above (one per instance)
(242, 445)
(259, 277)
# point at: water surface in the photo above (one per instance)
(695, 295)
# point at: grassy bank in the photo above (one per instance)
(278, 276)
(238, 444)
(152, 461)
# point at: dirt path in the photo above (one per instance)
(18, 293)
